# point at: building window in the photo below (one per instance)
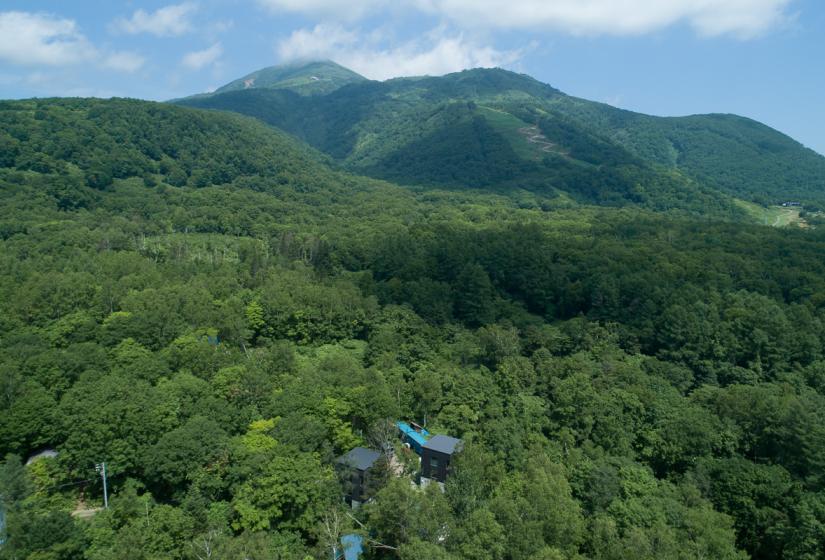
(434, 463)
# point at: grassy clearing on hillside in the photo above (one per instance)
(774, 216)
(508, 126)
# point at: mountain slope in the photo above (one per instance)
(497, 129)
(160, 169)
(735, 154)
(471, 130)
(116, 139)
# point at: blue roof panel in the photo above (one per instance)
(419, 437)
(415, 438)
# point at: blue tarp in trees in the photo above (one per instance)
(353, 546)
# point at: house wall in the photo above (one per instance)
(356, 483)
(435, 465)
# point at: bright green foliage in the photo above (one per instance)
(479, 536)
(290, 492)
(536, 508)
(255, 317)
(403, 515)
(258, 439)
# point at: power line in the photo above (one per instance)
(75, 483)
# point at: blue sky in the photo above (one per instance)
(759, 58)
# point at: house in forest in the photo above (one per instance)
(354, 469)
(437, 454)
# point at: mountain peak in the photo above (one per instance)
(314, 77)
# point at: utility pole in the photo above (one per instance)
(101, 468)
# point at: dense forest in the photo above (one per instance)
(218, 313)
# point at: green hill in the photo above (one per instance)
(315, 78)
(101, 141)
(170, 169)
(472, 129)
(734, 154)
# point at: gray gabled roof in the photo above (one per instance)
(443, 444)
(359, 458)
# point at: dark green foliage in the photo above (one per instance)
(50, 535)
(14, 484)
(734, 154)
(466, 131)
(125, 138)
(179, 454)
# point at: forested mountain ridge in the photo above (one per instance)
(473, 129)
(735, 154)
(218, 313)
(99, 141)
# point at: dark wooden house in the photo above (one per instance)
(354, 470)
(436, 457)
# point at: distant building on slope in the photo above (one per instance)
(354, 468)
(436, 457)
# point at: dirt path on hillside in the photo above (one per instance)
(534, 136)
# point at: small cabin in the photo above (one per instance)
(435, 458)
(354, 468)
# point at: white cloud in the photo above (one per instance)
(199, 59)
(742, 18)
(29, 39)
(124, 61)
(221, 26)
(618, 17)
(339, 9)
(169, 21)
(316, 43)
(435, 54)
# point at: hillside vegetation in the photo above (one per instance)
(217, 313)
(307, 79)
(734, 154)
(462, 130)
